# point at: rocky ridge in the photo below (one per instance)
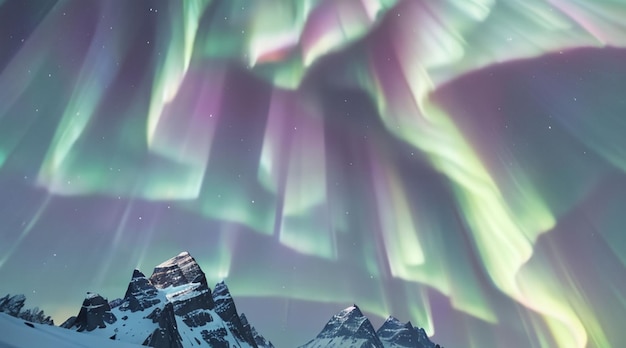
(174, 307)
(351, 329)
(13, 306)
(395, 334)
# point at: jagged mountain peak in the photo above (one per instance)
(260, 341)
(140, 294)
(176, 271)
(221, 284)
(138, 274)
(221, 290)
(174, 307)
(347, 329)
(243, 319)
(181, 257)
(91, 295)
(395, 323)
(223, 299)
(350, 312)
(225, 307)
(351, 329)
(396, 334)
(94, 313)
(391, 320)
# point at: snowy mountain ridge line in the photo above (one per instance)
(351, 329)
(13, 306)
(174, 308)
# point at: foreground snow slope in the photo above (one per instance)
(17, 333)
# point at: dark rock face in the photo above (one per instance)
(155, 315)
(141, 294)
(197, 318)
(69, 322)
(423, 339)
(35, 315)
(192, 302)
(348, 328)
(260, 341)
(166, 335)
(400, 335)
(12, 305)
(94, 313)
(226, 309)
(216, 338)
(396, 334)
(349, 322)
(179, 270)
(116, 303)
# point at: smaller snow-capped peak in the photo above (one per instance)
(350, 318)
(221, 287)
(166, 334)
(224, 304)
(393, 322)
(184, 285)
(424, 340)
(351, 311)
(94, 313)
(348, 328)
(244, 320)
(396, 334)
(227, 310)
(137, 274)
(140, 294)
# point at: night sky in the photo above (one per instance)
(457, 163)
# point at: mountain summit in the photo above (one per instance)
(179, 270)
(173, 308)
(395, 334)
(347, 329)
(351, 329)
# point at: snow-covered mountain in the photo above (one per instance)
(347, 329)
(174, 308)
(395, 334)
(351, 329)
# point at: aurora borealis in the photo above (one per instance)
(459, 164)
